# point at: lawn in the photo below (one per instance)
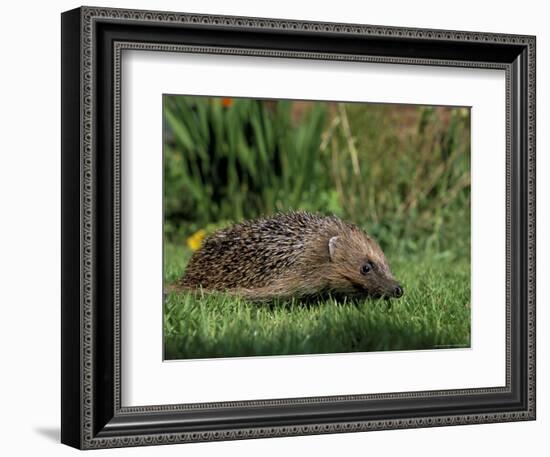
(433, 313)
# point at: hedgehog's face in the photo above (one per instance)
(358, 267)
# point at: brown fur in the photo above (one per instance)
(290, 255)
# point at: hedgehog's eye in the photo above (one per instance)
(366, 268)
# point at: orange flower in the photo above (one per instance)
(227, 102)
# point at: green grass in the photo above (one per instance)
(433, 313)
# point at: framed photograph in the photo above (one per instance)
(273, 227)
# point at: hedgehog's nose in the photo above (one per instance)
(397, 291)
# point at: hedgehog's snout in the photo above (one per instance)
(397, 291)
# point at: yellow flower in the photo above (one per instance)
(195, 241)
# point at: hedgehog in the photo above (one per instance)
(297, 255)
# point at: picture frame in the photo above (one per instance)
(93, 416)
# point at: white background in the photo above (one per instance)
(147, 75)
(30, 244)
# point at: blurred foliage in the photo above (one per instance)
(401, 172)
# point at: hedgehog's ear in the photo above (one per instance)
(332, 247)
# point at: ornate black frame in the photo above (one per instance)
(92, 42)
